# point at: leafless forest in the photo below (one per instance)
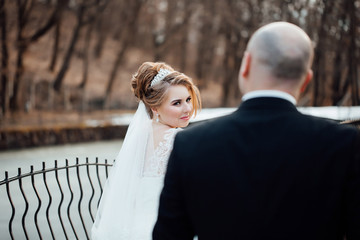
(60, 55)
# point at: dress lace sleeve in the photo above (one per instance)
(156, 164)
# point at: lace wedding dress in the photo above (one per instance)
(129, 205)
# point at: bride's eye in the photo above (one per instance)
(188, 99)
(176, 103)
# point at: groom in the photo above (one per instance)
(266, 171)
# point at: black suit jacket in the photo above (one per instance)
(264, 172)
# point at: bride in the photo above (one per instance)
(129, 204)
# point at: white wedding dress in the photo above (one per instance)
(129, 204)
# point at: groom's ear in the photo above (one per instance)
(308, 78)
(245, 65)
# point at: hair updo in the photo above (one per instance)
(153, 96)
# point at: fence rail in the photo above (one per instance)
(52, 203)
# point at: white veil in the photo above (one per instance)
(118, 199)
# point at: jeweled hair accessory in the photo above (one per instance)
(160, 76)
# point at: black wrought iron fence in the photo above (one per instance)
(59, 202)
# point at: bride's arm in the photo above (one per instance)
(172, 222)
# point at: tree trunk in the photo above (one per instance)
(24, 9)
(319, 58)
(183, 48)
(86, 57)
(131, 27)
(353, 71)
(101, 36)
(227, 75)
(188, 9)
(55, 51)
(206, 45)
(202, 49)
(22, 46)
(161, 38)
(4, 60)
(67, 59)
(337, 90)
(58, 19)
(120, 56)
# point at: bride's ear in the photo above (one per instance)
(154, 110)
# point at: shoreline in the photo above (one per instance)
(46, 136)
(63, 128)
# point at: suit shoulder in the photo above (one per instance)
(205, 134)
(330, 123)
(331, 129)
(212, 126)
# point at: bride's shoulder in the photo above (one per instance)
(171, 132)
(164, 134)
(175, 130)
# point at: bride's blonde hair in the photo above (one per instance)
(153, 96)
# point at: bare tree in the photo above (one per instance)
(86, 49)
(207, 42)
(339, 86)
(24, 8)
(235, 41)
(57, 34)
(353, 63)
(4, 59)
(168, 23)
(85, 14)
(218, 30)
(319, 64)
(80, 13)
(127, 38)
(187, 10)
(102, 31)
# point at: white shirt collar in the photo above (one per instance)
(269, 93)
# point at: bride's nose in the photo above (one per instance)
(188, 107)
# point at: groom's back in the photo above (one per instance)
(266, 171)
(266, 175)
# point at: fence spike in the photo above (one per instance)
(39, 202)
(71, 200)
(49, 203)
(12, 205)
(26, 205)
(81, 196)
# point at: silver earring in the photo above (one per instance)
(157, 117)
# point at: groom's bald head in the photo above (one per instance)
(282, 47)
(278, 56)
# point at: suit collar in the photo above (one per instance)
(269, 93)
(267, 103)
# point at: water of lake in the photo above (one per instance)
(24, 158)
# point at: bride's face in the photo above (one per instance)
(176, 107)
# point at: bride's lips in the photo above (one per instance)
(186, 118)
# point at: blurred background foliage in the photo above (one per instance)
(79, 55)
